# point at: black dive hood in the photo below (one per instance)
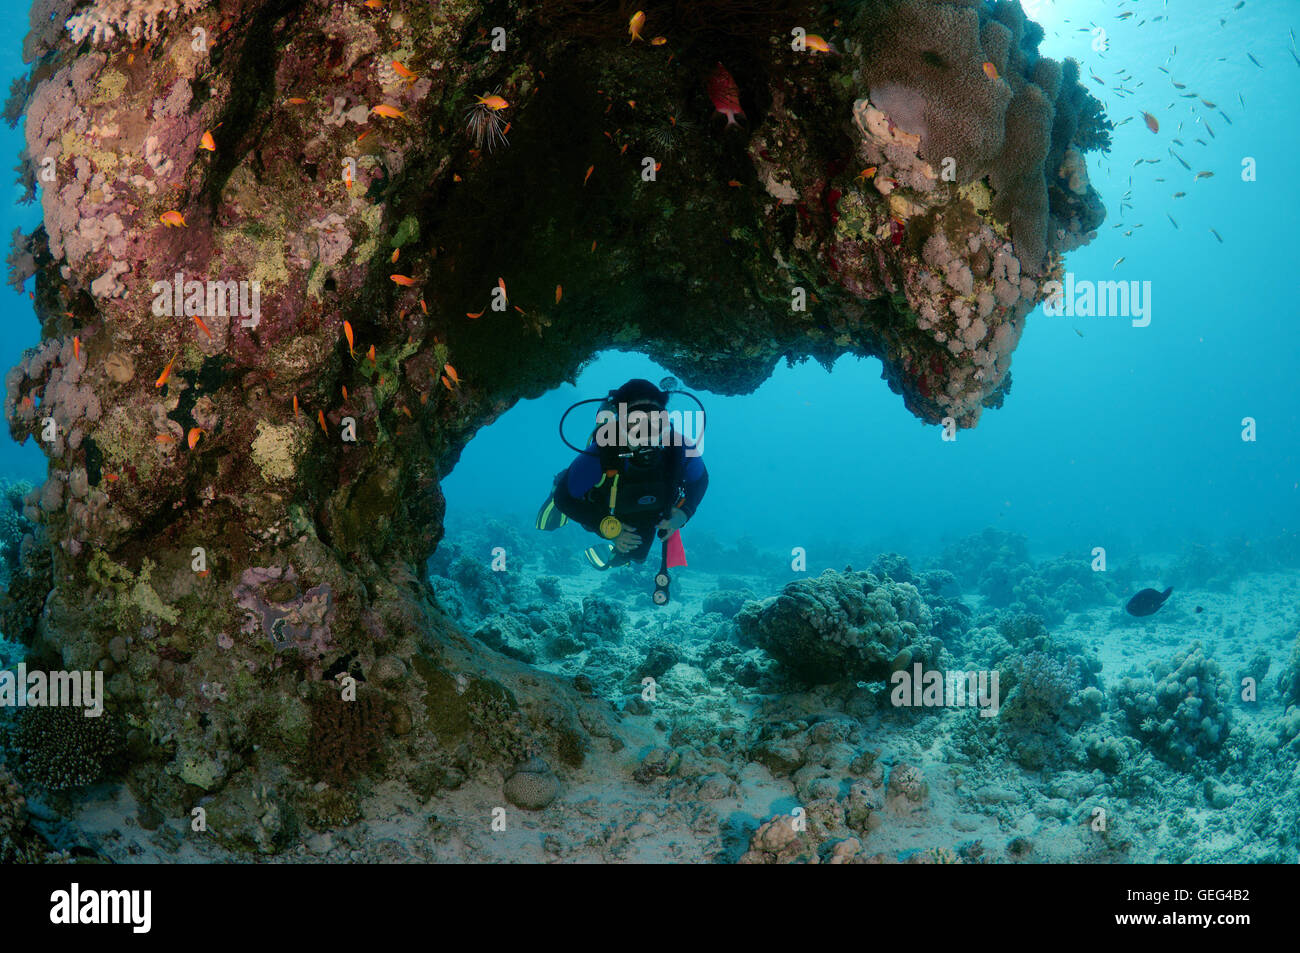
(636, 394)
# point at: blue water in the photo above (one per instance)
(1125, 437)
(21, 329)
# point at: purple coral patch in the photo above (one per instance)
(301, 621)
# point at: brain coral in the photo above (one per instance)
(532, 786)
(840, 626)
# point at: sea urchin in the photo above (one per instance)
(484, 121)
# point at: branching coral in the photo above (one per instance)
(138, 19)
(59, 748)
(1183, 713)
(13, 813)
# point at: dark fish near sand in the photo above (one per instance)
(1147, 602)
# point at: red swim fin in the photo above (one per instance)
(674, 549)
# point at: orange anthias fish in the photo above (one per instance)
(374, 4)
(404, 280)
(347, 333)
(990, 71)
(397, 253)
(659, 41)
(202, 327)
(446, 383)
(403, 72)
(559, 293)
(207, 142)
(193, 438)
(494, 103)
(635, 24)
(295, 405)
(76, 348)
(473, 314)
(345, 391)
(1151, 122)
(320, 416)
(724, 94)
(814, 42)
(172, 219)
(590, 169)
(451, 372)
(388, 112)
(295, 101)
(164, 438)
(370, 354)
(167, 373)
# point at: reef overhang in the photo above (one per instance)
(244, 469)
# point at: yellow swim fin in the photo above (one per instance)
(549, 516)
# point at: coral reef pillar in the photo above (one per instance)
(293, 255)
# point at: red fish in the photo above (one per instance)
(725, 94)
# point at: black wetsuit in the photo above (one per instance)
(648, 488)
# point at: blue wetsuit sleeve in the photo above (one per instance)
(582, 475)
(571, 489)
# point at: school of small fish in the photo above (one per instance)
(1200, 105)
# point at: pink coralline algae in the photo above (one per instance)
(276, 607)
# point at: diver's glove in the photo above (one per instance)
(675, 521)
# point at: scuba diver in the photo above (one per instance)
(636, 479)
